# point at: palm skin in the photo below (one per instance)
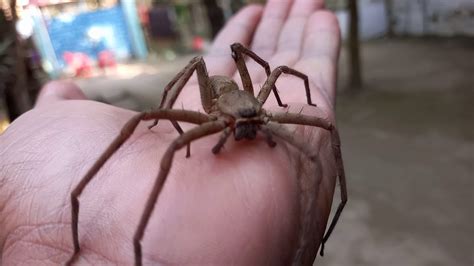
(248, 205)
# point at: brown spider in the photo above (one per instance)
(229, 110)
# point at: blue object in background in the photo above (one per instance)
(90, 33)
(43, 43)
(131, 17)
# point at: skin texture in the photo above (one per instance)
(249, 205)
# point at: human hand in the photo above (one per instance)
(243, 206)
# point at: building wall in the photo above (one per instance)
(433, 17)
(373, 20)
(70, 33)
(412, 17)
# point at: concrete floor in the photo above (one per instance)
(408, 146)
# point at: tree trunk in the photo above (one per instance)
(215, 15)
(355, 79)
(16, 91)
(390, 18)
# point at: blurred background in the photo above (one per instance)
(405, 105)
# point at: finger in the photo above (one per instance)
(321, 46)
(268, 31)
(290, 41)
(58, 91)
(291, 36)
(266, 36)
(240, 28)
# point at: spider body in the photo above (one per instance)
(228, 110)
(241, 107)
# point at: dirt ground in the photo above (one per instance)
(408, 146)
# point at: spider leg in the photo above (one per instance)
(168, 88)
(193, 134)
(181, 132)
(282, 133)
(167, 101)
(271, 80)
(268, 137)
(238, 50)
(342, 181)
(125, 133)
(336, 145)
(223, 138)
(196, 64)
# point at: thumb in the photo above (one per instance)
(58, 91)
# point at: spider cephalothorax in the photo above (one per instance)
(228, 110)
(241, 107)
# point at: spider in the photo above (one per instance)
(228, 110)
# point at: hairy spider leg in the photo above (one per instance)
(274, 129)
(269, 137)
(196, 64)
(271, 80)
(222, 139)
(207, 94)
(238, 50)
(125, 133)
(175, 124)
(336, 143)
(300, 119)
(203, 130)
(281, 132)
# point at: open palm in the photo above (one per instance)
(249, 205)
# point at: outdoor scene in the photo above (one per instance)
(404, 102)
